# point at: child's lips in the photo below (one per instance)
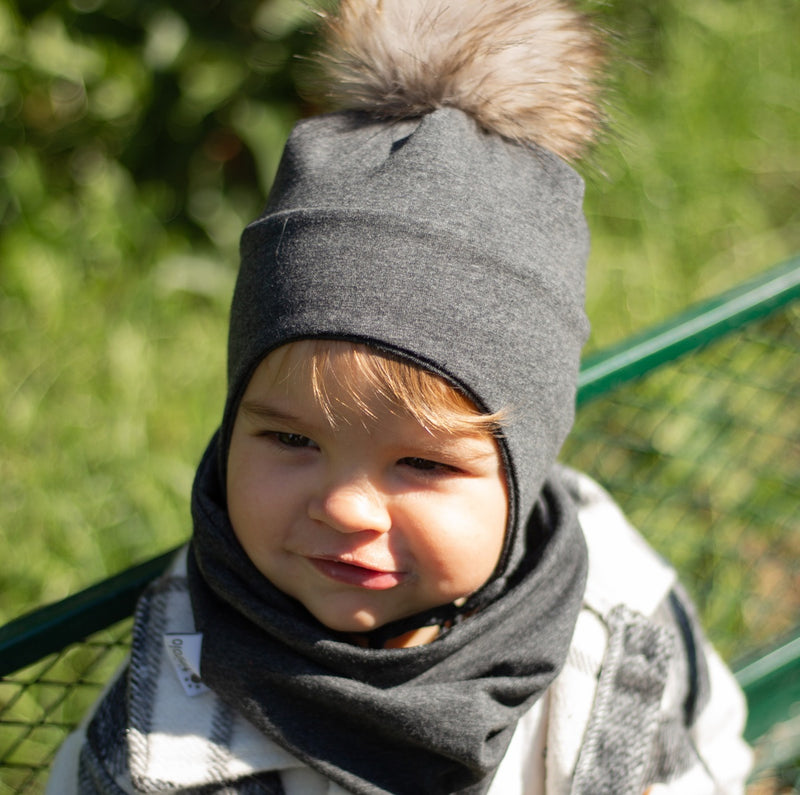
(357, 574)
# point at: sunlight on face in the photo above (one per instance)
(365, 519)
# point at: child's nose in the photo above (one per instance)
(351, 507)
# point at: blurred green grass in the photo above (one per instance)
(136, 139)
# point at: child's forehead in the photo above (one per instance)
(284, 363)
(286, 388)
(350, 380)
(332, 365)
(331, 374)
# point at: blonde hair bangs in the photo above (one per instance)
(347, 375)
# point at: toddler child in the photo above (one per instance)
(392, 587)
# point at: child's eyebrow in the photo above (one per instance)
(263, 411)
(463, 449)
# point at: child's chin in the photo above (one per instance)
(351, 625)
(338, 619)
(357, 626)
(359, 621)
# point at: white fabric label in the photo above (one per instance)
(183, 651)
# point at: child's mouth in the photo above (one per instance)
(358, 576)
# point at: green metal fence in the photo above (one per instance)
(703, 453)
(692, 426)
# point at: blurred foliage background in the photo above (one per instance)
(137, 137)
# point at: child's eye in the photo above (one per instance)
(292, 439)
(426, 465)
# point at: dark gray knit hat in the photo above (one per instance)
(422, 226)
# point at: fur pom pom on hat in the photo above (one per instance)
(435, 218)
(524, 69)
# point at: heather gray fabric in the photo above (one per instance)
(445, 244)
(434, 719)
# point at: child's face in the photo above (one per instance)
(366, 521)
